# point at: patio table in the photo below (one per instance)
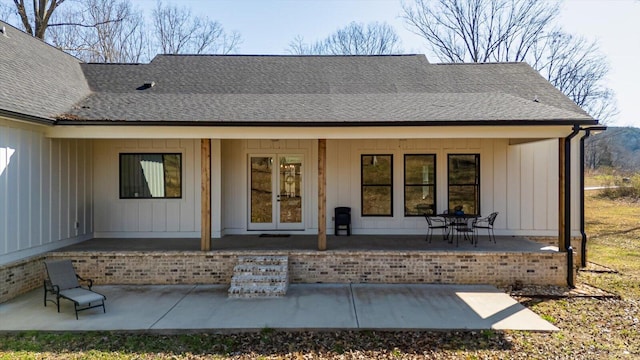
(460, 224)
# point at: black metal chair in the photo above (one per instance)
(342, 218)
(486, 223)
(435, 223)
(462, 228)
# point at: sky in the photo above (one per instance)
(268, 26)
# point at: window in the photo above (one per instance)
(464, 182)
(146, 176)
(419, 184)
(377, 187)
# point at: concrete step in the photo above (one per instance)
(254, 269)
(263, 260)
(260, 277)
(257, 291)
(257, 280)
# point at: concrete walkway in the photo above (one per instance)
(178, 308)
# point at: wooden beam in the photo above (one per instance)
(562, 158)
(205, 193)
(322, 194)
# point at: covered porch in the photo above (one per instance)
(272, 242)
(356, 259)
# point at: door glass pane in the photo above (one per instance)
(290, 189)
(261, 196)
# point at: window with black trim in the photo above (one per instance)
(377, 185)
(463, 174)
(150, 176)
(419, 184)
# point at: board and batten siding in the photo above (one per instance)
(115, 217)
(518, 181)
(235, 182)
(46, 191)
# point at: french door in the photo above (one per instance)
(275, 192)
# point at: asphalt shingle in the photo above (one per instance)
(325, 89)
(37, 79)
(246, 89)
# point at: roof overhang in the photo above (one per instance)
(16, 116)
(259, 131)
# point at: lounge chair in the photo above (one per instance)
(62, 281)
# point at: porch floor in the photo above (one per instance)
(273, 242)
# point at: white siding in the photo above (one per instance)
(519, 181)
(235, 155)
(45, 197)
(117, 217)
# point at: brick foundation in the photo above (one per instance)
(20, 277)
(194, 267)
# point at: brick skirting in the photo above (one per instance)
(195, 267)
(20, 277)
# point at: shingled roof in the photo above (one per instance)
(279, 90)
(38, 81)
(275, 90)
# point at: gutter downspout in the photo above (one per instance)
(583, 248)
(567, 204)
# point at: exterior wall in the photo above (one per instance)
(115, 217)
(234, 179)
(327, 267)
(46, 191)
(518, 181)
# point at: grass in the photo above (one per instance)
(614, 241)
(590, 328)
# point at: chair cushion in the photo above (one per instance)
(82, 296)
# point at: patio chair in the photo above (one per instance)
(62, 281)
(435, 223)
(486, 223)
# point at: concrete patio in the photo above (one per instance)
(185, 308)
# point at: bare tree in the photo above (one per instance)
(38, 18)
(515, 30)
(118, 35)
(178, 31)
(354, 39)
(577, 68)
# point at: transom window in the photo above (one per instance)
(377, 185)
(419, 184)
(146, 176)
(463, 173)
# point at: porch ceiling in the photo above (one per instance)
(290, 132)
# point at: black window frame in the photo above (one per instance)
(476, 184)
(163, 154)
(434, 186)
(363, 185)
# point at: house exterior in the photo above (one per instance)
(209, 146)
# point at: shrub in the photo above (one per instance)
(621, 187)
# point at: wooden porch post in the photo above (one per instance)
(322, 194)
(561, 193)
(205, 194)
